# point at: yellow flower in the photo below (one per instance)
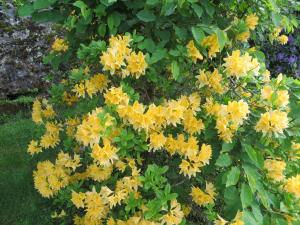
(79, 89)
(266, 76)
(116, 96)
(113, 59)
(275, 169)
(33, 147)
(282, 98)
(212, 43)
(237, 111)
(37, 112)
(60, 45)
(105, 155)
(157, 141)
(267, 92)
(220, 221)
(283, 39)
(78, 199)
(48, 112)
(212, 80)
(244, 36)
(201, 198)
(251, 21)
(292, 185)
(174, 216)
(239, 65)
(136, 64)
(272, 122)
(193, 52)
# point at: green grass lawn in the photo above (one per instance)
(20, 204)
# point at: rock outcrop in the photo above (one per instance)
(22, 46)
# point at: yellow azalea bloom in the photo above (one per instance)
(193, 52)
(174, 216)
(201, 198)
(60, 45)
(220, 221)
(275, 169)
(292, 185)
(33, 147)
(37, 112)
(105, 155)
(244, 36)
(239, 65)
(283, 39)
(157, 141)
(136, 64)
(48, 112)
(78, 199)
(272, 122)
(79, 90)
(251, 21)
(212, 43)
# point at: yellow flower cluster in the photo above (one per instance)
(156, 117)
(49, 178)
(91, 129)
(244, 36)
(272, 122)
(42, 110)
(275, 169)
(275, 35)
(211, 80)
(238, 65)
(97, 83)
(60, 45)
(251, 21)
(211, 42)
(280, 98)
(105, 155)
(51, 137)
(119, 58)
(292, 185)
(229, 117)
(203, 198)
(238, 220)
(193, 52)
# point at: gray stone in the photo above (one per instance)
(22, 47)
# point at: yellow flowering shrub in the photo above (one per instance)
(169, 131)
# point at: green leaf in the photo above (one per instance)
(26, 10)
(175, 70)
(108, 2)
(47, 16)
(158, 55)
(246, 195)
(152, 2)
(256, 158)
(198, 34)
(252, 177)
(197, 9)
(222, 38)
(233, 176)
(102, 30)
(83, 8)
(43, 4)
(232, 201)
(209, 7)
(223, 160)
(146, 16)
(227, 147)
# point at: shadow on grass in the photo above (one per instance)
(20, 204)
